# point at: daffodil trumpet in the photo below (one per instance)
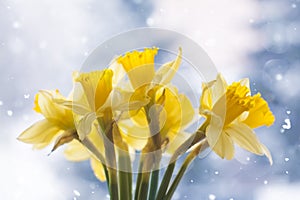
(130, 107)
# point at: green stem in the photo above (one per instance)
(154, 145)
(168, 174)
(113, 184)
(153, 184)
(124, 165)
(165, 181)
(124, 187)
(143, 193)
(106, 126)
(143, 178)
(181, 172)
(125, 176)
(197, 137)
(139, 179)
(106, 174)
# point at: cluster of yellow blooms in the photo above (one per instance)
(130, 107)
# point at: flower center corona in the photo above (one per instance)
(237, 101)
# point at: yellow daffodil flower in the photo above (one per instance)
(97, 86)
(58, 123)
(139, 66)
(96, 96)
(175, 112)
(233, 114)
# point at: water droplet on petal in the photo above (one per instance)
(216, 172)
(1, 103)
(286, 172)
(265, 182)
(192, 181)
(288, 112)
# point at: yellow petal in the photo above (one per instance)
(75, 151)
(175, 143)
(267, 153)
(135, 58)
(245, 82)
(96, 138)
(188, 112)
(139, 66)
(98, 169)
(172, 117)
(85, 124)
(219, 88)
(123, 101)
(166, 72)
(214, 130)
(237, 101)
(65, 137)
(104, 88)
(206, 98)
(97, 86)
(135, 136)
(260, 114)
(45, 103)
(119, 73)
(140, 76)
(78, 108)
(245, 137)
(40, 134)
(212, 92)
(224, 146)
(36, 103)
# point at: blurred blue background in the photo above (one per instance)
(42, 42)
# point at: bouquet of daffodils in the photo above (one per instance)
(131, 109)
